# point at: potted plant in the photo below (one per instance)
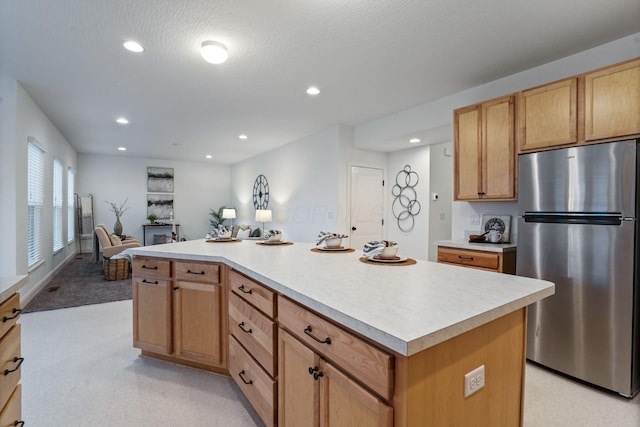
(118, 211)
(152, 218)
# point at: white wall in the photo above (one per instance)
(413, 243)
(303, 183)
(198, 187)
(24, 119)
(9, 171)
(441, 182)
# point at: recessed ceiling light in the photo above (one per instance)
(214, 52)
(414, 140)
(122, 120)
(243, 136)
(313, 90)
(122, 148)
(209, 156)
(132, 46)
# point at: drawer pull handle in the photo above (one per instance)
(241, 325)
(155, 282)
(15, 359)
(195, 272)
(465, 258)
(17, 423)
(316, 374)
(308, 331)
(244, 290)
(241, 375)
(155, 267)
(16, 312)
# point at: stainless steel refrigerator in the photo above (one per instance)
(577, 227)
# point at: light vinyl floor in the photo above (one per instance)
(81, 369)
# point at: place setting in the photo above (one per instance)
(331, 243)
(273, 238)
(221, 234)
(384, 252)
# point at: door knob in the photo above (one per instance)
(353, 229)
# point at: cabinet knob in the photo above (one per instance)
(353, 229)
(175, 288)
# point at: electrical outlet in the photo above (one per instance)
(475, 220)
(473, 381)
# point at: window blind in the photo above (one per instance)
(71, 229)
(35, 200)
(58, 201)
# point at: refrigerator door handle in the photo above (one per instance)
(596, 218)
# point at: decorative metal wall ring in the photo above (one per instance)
(405, 203)
(261, 192)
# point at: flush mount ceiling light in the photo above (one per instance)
(243, 136)
(209, 156)
(132, 46)
(414, 140)
(313, 90)
(122, 120)
(122, 148)
(214, 52)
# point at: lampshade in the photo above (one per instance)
(214, 52)
(228, 213)
(263, 215)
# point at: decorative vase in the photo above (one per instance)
(117, 227)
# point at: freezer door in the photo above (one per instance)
(586, 328)
(593, 178)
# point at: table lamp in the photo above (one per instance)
(229, 213)
(263, 215)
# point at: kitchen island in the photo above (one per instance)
(409, 334)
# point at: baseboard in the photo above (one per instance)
(28, 296)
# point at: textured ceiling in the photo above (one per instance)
(369, 58)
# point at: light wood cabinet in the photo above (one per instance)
(548, 115)
(10, 362)
(484, 145)
(180, 313)
(501, 262)
(252, 343)
(313, 391)
(612, 101)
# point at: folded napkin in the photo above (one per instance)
(269, 233)
(376, 247)
(324, 235)
(217, 232)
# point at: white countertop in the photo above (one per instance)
(487, 247)
(9, 285)
(404, 308)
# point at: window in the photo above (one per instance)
(71, 229)
(35, 200)
(58, 171)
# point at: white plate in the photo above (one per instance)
(279, 242)
(222, 239)
(391, 261)
(327, 248)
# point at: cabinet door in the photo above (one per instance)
(612, 101)
(343, 403)
(198, 322)
(498, 149)
(152, 314)
(548, 115)
(298, 391)
(467, 180)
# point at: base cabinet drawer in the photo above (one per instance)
(501, 262)
(153, 267)
(10, 362)
(368, 364)
(11, 414)
(255, 383)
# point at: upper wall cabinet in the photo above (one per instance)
(612, 101)
(547, 115)
(484, 144)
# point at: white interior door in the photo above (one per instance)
(366, 212)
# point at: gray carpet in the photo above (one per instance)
(79, 282)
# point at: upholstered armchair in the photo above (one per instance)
(111, 244)
(125, 240)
